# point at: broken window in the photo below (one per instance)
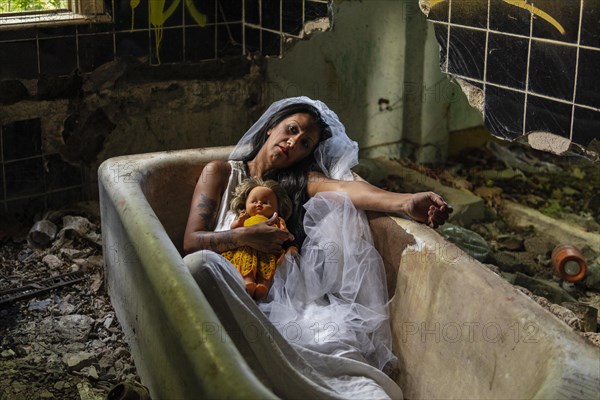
(25, 13)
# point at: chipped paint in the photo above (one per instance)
(475, 95)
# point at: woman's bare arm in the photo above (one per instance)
(204, 209)
(426, 207)
(202, 218)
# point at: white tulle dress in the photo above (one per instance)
(329, 303)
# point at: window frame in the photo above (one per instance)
(79, 12)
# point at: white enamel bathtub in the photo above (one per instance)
(460, 331)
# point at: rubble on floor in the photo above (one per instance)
(62, 343)
(558, 195)
(66, 343)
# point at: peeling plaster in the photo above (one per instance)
(318, 25)
(120, 111)
(475, 95)
(425, 6)
(547, 141)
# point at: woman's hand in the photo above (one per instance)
(266, 236)
(428, 208)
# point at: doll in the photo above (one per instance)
(255, 201)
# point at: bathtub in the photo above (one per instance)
(459, 330)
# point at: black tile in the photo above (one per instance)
(470, 13)
(22, 139)
(252, 37)
(134, 44)
(170, 49)
(252, 12)
(95, 50)
(313, 11)
(204, 7)
(63, 198)
(439, 12)
(558, 20)
(60, 174)
(271, 44)
(229, 11)
(56, 31)
(91, 28)
(586, 126)
(467, 52)
(590, 25)
(229, 40)
(24, 177)
(271, 13)
(472, 83)
(504, 112)
(17, 34)
(25, 66)
(552, 69)
(127, 18)
(441, 35)
(548, 116)
(508, 18)
(588, 78)
(58, 56)
(171, 17)
(507, 60)
(200, 43)
(291, 16)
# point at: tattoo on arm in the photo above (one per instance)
(207, 210)
(216, 241)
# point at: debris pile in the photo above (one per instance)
(59, 341)
(515, 181)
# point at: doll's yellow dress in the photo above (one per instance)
(251, 262)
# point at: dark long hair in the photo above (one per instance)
(295, 178)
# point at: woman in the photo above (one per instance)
(284, 144)
(334, 294)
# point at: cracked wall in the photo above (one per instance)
(186, 76)
(124, 108)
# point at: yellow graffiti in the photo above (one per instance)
(536, 11)
(133, 4)
(433, 3)
(526, 6)
(158, 16)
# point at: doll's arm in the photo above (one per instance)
(239, 221)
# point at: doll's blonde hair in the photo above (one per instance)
(242, 191)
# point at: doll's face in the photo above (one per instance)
(261, 201)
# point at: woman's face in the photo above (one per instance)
(291, 140)
(261, 201)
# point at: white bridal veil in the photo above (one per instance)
(329, 303)
(335, 155)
